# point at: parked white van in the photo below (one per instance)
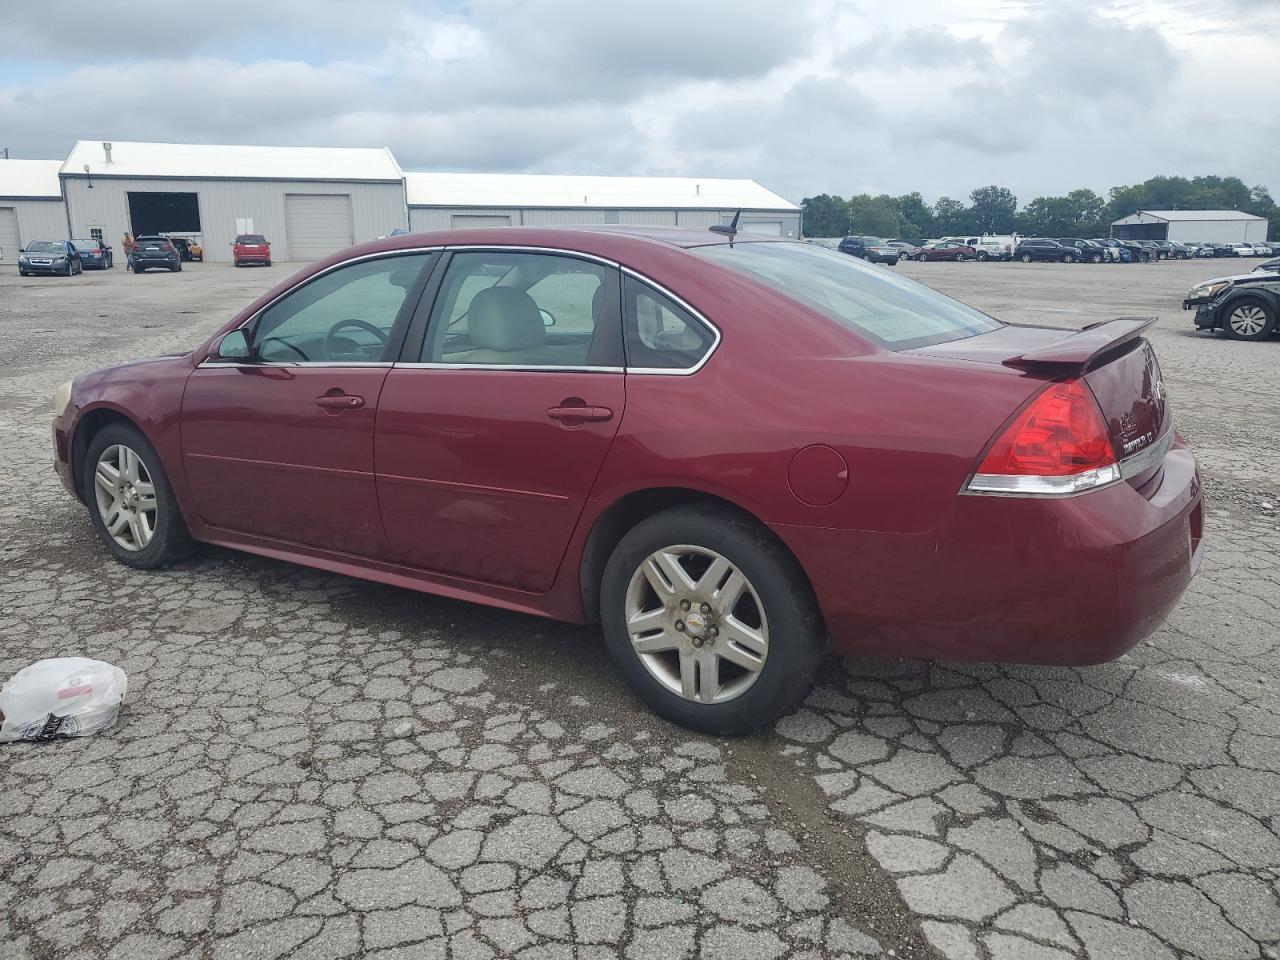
(990, 246)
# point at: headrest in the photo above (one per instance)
(504, 318)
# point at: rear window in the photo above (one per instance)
(891, 310)
(85, 244)
(250, 238)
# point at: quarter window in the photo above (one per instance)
(525, 310)
(345, 315)
(660, 334)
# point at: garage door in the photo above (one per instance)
(469, 221)
(317, 224)
(772, 228)
(10, 242)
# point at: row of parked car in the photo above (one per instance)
(69, 257)
(1031, 249)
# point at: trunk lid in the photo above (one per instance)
(1113, 359)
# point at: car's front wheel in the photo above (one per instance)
(710, 620)
(1249, 318)
(131, 504)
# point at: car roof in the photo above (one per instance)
(613, 242)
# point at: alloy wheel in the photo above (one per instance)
(697, 624)
(126, 497)
(1247, 320)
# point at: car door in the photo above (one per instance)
(281, 446)
(494, 424)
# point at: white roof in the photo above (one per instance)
(1196, 215)
(210, 161)
(30, 178)
(545, 190)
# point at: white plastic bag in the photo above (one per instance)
(65, 697)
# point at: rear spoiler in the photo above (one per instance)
(1078, 352)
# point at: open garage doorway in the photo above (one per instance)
(153, 212)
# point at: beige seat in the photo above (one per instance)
(505, 328)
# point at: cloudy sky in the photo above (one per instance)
(807, 96)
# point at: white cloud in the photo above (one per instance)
(811, 96)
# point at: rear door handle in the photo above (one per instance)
(580, 414)
(339, 402)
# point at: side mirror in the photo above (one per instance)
(547, 319)
(234, 345)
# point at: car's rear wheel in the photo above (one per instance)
(1249, 318)
(958, 257)
(1095, 258)
(982, 256)
(131, 504)
(710, 620)
(1068, 258)
(1025, 258)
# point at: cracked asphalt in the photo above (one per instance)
(315, 767)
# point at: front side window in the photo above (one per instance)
(660, 334)
(343, 316)
(891, 310)
(525, 310)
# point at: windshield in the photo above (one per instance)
(893, 311)
(45, 246)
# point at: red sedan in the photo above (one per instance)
(947, 250)
(727, 454)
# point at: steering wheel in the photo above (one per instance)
(285, 343)
(331, 346)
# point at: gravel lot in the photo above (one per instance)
(316, 767)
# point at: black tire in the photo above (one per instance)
(796, 635)
(982, 256)
(267, 264)
(23, 273)
(1095, 258)
(1025, 258)
(1229, 312)
(921, 257)
(1068, 258)
(176, 268)
(170, 541)
(959, 257)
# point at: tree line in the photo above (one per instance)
(994, 209)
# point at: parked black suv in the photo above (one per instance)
(871, 249)
(1041, 249)
(154, 252)
(1090, 251)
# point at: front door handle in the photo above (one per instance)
(339, 402)
(573, 413)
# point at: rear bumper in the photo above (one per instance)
(1070, 581)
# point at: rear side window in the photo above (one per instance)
(889, 309)
(659, 333)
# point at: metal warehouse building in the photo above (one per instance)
(30, 205)
(440, 201)
(308, 202)
(1191, 226)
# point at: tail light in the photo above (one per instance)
(1058, 444)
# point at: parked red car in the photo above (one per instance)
(725, 453)
(251, 248)
(947, 250)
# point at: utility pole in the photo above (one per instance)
(6, 152)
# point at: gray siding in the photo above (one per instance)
(1218, 231)
(37, 220)
(423, 219)
(378, 208)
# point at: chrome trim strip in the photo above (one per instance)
(523, 368)
(1146, 459)
(293, 363)
(504, 247)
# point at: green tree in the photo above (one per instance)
(825, 216)
(873, 216)
(950, 217)
(993, 209)
(915, 218)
